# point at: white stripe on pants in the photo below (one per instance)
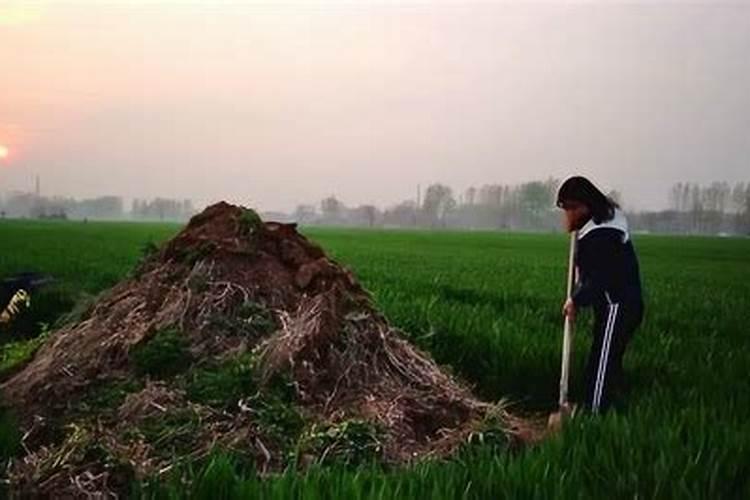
(601, 373)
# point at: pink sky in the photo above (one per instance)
(272, 105)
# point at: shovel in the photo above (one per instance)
(555, 419)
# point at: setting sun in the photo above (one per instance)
(3, 152)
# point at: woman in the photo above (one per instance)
(609, 282)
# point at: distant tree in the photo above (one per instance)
(370, 213)
(471, 196)
(675, 197)
(304, 214)
(332, 209)
(438, 201)
(745, 218)
(723, 196)
(136, 209)
(738, 198)
(162, 209)
(696, 207)
(551, 185)
(531, 205)
(103, 207)
(686, 190)
(403, 214)
(536, 197)
(187, 209)
(714, 197)
(493, 195)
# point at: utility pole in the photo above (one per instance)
(419, 203)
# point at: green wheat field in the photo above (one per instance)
(487, 306)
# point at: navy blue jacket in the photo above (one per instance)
(607, 265)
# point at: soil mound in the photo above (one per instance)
(240, 335)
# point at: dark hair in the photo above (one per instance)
(582, 190)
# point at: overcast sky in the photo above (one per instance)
(272, 104)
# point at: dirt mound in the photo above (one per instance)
(236, 334)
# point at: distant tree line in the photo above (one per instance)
(714, 208)
(492, 206)
(31, 205)
(162, 209)
(702, 209)
(693, 209)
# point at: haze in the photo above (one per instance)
(275, 104)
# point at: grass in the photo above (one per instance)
(14, 354)
(107, 396)
(487, 305)
(163, 355)
(352, 442)
(90, 256)
(222, 384)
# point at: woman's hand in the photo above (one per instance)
(569, 309)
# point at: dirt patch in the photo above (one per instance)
(235, 306)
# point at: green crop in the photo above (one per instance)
(487, 306)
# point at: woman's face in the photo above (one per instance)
(575, 215)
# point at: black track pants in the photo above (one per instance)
(614, 325)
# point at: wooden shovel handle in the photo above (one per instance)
(568, 325)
